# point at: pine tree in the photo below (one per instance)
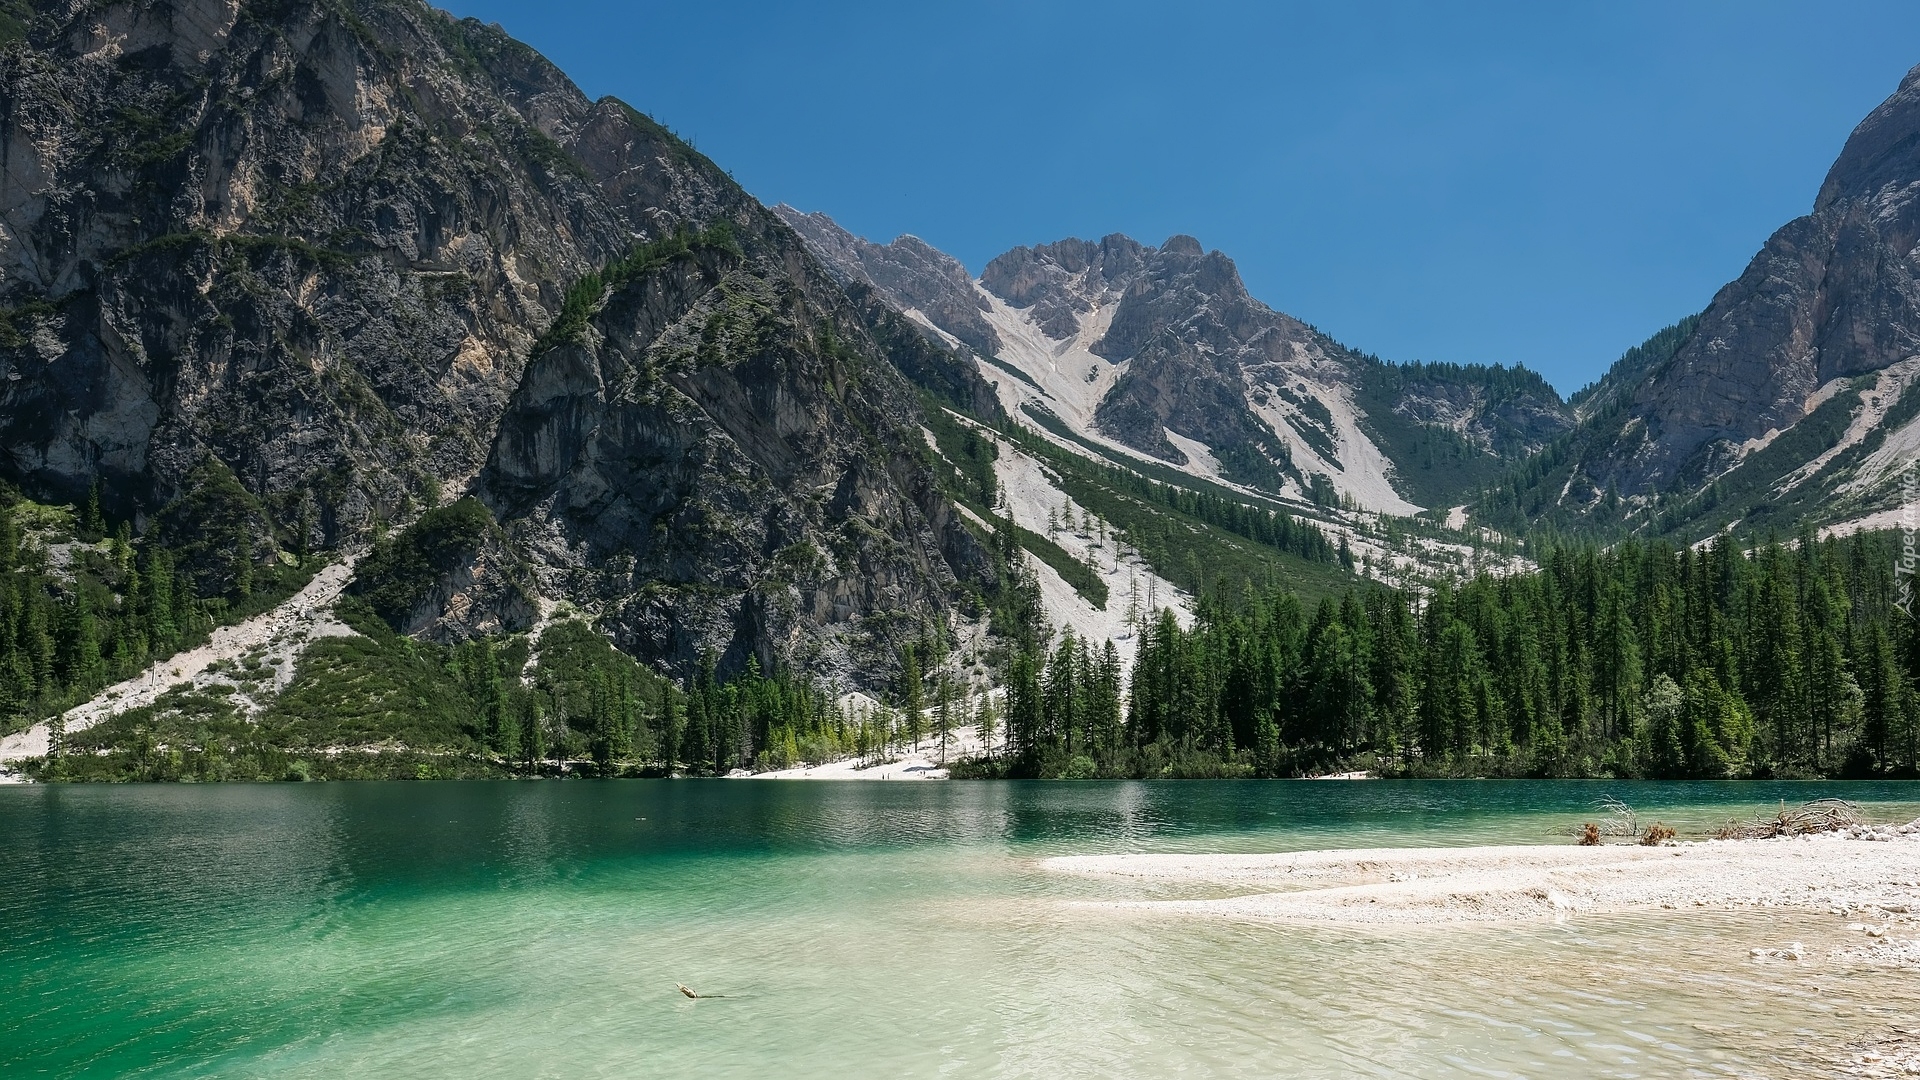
(93, 523)
(1060, 695)
(670, 729)
(943, 712)
(1104, 703)
(9, 543)
(1024, 712)
(37, 639)
(1714, 727)
(696, 744)
(1774, 670)
(1617, 671)
(987, 720)
(911, 702)
(161, 624)
(533, 743)
(243, 562)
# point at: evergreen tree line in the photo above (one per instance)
(1501, 383)
(758, 722)
(1641, 660)
(594, 708)
(1276, 529)
(75, 618)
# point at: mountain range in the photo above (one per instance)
(1162, 352)
(278, 278)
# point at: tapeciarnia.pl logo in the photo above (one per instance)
(1909, 560)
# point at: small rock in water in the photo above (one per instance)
(1793, 951)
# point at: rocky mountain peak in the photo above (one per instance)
(1182, 244)
(1061, 281)
(1128, 343)
(912, 274)
(1793, 396)
(1831, 296)
(1882, 152)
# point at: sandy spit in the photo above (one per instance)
(1873, 879)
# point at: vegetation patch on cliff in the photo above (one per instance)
(400, 571)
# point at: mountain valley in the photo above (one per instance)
(617, 454)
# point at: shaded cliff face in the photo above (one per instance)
(320, 244)
(1832, 295)
(722, 459)
(450, 576)
(311, 240)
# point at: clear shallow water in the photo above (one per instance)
(858, 929)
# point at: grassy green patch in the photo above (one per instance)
(379, 687)
(15, 17)
(1013, 371)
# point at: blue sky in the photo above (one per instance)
(1542, 184)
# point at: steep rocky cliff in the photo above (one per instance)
(1792, 397)
(1830, 296)
(346, 251)
(716, 456)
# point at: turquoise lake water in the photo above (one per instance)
(853, 930)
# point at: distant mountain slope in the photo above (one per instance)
(930, 286)
(1161, 352)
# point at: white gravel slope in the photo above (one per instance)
(282, 633)
(1030, 498)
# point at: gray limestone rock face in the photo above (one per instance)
(909, 273)
(1060, 281)
(314, 246)
(1830, 295)
(724, 460)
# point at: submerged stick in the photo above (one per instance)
(689, 991)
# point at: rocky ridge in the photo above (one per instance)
(1792, 396)
(1162, 351)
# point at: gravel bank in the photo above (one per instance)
(1872, 878)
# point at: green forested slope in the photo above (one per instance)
(1637, 660)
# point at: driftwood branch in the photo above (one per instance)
(1821, 815)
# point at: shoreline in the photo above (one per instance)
(1871, 878)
